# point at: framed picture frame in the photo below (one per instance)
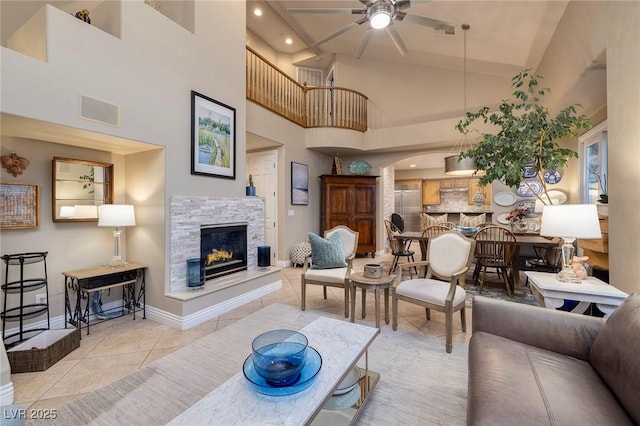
(213, 137)
(299, 184)
(19, 206)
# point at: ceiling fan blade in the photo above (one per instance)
(364, 43)
(428, 22)
(331, 10)
(403, 4)
(337, 33)
(396, 39)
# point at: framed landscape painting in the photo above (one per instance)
(213, 137)
(299, 184)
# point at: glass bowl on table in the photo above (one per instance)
(279, 355)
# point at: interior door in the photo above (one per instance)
(263, 167)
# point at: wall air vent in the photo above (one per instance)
(100, 111)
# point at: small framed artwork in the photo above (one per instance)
(19, 206)
(299, 184)
(213, 137)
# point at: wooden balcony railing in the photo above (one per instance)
(305, 106)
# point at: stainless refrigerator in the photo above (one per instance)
(408, 203)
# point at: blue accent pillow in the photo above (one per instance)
(326, 253)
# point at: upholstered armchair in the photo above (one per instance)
(450, 254)
(330, 263)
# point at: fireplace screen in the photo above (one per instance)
(223, 249)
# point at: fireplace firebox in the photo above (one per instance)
(223, 249)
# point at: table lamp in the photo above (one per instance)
(570, 221)
(116, 215)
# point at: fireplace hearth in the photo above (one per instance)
(223, 249)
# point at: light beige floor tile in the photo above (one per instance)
(157, 354)
(127, 340)
(172, 338)
(32, 386)
(93, 373)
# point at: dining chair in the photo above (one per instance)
(548, 259)
(495, 247)
(398, 247)
(442, 288)
(330, 262)
(398, 221)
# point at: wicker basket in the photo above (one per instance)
(42, 351)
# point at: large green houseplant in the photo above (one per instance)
(526, 138)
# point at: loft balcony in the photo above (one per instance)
(336, 107)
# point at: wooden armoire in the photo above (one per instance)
(350, 200)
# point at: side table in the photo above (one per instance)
(383, 283)
(551, 293)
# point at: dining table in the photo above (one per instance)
(522, 240)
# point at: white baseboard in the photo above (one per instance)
(184, 323)
(172, 320)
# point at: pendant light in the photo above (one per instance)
(453, 164)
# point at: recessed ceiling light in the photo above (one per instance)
(257, 11)
(288, 40)
(412, 165)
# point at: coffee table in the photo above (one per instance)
(551, 292)
(341, 345)
(383, 283)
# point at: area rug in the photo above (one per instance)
(419, 382)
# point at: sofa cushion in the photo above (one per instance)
(615, 354)
(327, 253)
(512, 383)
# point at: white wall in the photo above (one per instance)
(149, 72)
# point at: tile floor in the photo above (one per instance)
(119, 347)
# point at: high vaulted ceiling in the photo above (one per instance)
(505, 36)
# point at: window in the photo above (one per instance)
(593, 168)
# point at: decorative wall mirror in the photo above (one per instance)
(78, 188)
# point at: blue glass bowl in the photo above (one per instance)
(279, 355)
(308, 375)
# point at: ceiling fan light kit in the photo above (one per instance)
(378, 14)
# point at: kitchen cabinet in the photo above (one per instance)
(431, 192)
(350, 200)
(486, 190)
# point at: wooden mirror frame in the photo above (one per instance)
(83, 182)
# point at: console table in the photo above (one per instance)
(340, 344)
(83, 282)
(551, 292)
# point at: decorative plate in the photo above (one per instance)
(307, 376)
(359, 167)
(529, 205)
(524, 191)
(502, 218)
(505, 198)
(552, 177)
(557, 196)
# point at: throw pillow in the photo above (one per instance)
(429, 220)
(476, 220)
(326, 253)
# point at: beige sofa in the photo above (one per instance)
(535, 366)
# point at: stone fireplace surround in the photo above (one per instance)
(187, 213)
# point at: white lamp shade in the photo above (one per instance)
(116, 215)
(570, 221)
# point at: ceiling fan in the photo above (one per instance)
(379, 14)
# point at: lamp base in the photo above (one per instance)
(117, 261)
(568, 276)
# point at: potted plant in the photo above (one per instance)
(251, 190)
(526, 138)
(604, 196)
